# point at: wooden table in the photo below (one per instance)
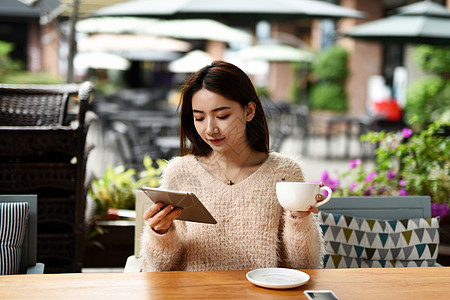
(402, 283)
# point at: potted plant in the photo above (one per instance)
(110, 238)
(406, 164)
(116, 189)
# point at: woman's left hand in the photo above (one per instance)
(311, 209)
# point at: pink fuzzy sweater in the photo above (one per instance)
(252, 229)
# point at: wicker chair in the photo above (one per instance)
(43, 151)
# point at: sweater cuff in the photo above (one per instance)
(165, 240)
(297, 220)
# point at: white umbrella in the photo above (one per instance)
(274, 53)
(248, 10)
(191, 62)
(421, 23)
(98, 60)
(115, 25)
(129, 42)
(151, 55)
(198, 29)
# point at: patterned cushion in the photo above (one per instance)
(352, 242)
(13, 222)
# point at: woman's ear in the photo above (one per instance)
(250, 111)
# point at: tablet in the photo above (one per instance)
(193, 209)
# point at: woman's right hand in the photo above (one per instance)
(159, 219)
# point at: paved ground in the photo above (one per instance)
(315, 162)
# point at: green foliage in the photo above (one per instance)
(262, 92)
(331, 65)
(5, 48)
(24, 77)
(7, 64)
(331, 71)
(433, 59)
(93, 233)
(117, 187)
(11, 70)
(151, 176)
(300, 81)
(406, 164)
(428, 99)
(330, 96)
(107, 82)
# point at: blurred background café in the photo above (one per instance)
(327, 72)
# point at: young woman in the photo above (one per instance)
(229, 167)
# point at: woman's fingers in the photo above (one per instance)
(152, 210)
(313, 209)
(300, 214)
(164, 224)
(160, 219)
(320, 197)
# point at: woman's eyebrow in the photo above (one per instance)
(214, 110)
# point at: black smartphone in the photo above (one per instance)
(320, 295)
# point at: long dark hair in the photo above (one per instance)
(231, 82)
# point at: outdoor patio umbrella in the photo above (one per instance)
(419, 23)
(135, 47)
(100, 60)
(274, 53)
(244, 10)
(117, 42)
(197, 29)
(191, 62)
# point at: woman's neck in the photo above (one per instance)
(235, 167)
(232, 159)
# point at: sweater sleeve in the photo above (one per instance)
(164, 252)
(302, 241)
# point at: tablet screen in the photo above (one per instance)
(193, 209)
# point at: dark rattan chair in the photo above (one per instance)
(43, 151)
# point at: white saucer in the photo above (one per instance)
(277, 278)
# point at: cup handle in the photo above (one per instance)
(330, 193)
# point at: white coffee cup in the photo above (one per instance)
(297, 196)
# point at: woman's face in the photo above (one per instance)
(221, 122)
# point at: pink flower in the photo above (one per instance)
(333, 183)
(324, 176)
(439, 210)
(403, 192)
(353, 185)
(406, 132)
(368, 191)
(354, 162)
(391, 174)
(402, 182)
(371, 176)
(394, 145)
